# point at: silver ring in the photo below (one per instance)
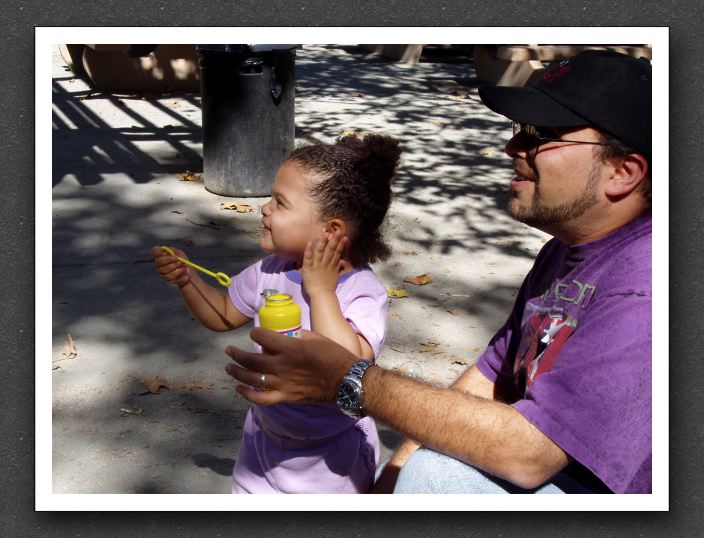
(262, 380)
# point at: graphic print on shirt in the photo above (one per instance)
(546, 327)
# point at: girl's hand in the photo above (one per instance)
(170, 269)
(321, 264)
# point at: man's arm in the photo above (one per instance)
(484, 433)
(472, 381)
(487, 434)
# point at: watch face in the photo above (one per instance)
(346, 396)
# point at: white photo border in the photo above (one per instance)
(657, 37)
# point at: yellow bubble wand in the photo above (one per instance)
(222, 278)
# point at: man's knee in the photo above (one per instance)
(418, 473)
(430, 472)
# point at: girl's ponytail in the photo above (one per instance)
(353, 182)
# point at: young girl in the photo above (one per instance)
(321, 228)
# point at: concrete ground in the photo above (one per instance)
(116, 192)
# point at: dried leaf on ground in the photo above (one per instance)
(189, 176)
(488, 152)
(452, 312)
(426, 347)
(124, 411)
(419, 280)
(458, 360)
(154, 384)
(200, 384)
(176, 211)
(396, 293)
(240, 208)
(211, 224)
(55, 366)
(189, 242)
(176, 386)
(70, 348)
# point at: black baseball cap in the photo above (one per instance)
(607, 90)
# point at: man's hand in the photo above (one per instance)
(296, 370)
(321, 264)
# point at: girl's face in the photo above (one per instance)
(289, 219)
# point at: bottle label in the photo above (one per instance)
(295, 332)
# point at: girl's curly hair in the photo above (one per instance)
(352, 181)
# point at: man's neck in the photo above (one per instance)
(592, 227)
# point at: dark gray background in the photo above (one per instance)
(17, 253)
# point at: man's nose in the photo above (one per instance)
(516, 147)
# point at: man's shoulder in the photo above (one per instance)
(630, 250)
(623, 264)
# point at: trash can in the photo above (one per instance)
(247, 103)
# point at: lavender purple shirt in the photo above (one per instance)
(309, 448)
(575, 355)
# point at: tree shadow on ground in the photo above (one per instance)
(106, 294)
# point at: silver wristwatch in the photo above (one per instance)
(349, 395)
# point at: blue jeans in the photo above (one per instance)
(429, 472)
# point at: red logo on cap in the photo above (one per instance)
(550, 77)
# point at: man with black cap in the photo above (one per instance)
(560, 401)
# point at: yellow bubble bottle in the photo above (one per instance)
(280, 313)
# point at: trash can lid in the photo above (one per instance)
(265, 48)
(244, 48)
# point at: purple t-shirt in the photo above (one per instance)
(364, 303)
(575, 355)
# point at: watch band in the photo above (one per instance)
(350, 393)
(358, 368)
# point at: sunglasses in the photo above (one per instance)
(534, 138)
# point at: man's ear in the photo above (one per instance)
(628, 172)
